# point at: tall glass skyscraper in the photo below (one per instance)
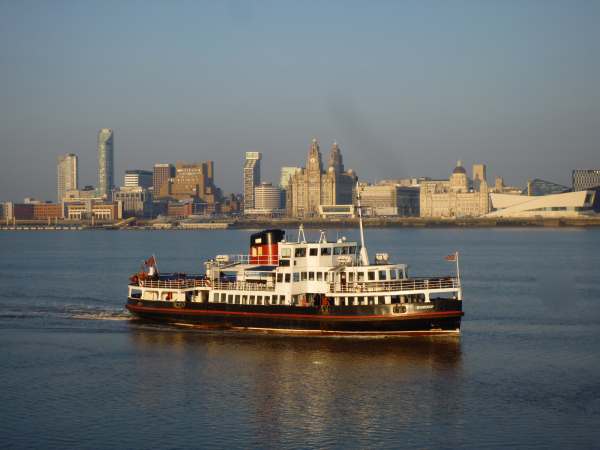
(251, 177)
(67, 176)
(106, 171)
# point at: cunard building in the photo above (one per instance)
(312, 186)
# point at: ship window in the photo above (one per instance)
(300, 253)
(360, 276)
(287, 277)
(284, 263)
(371, 275)
(370, 300)
(314, 252)
(319, 276)
(395, 299)
(251, 302)
(215, 297)
(286, 252)
(259, 300)
(237, 299)
(303, 276)
(381, 301)
(382, 275)
(311, 276)
(325, 276)
(230, 298)
(352, 250)
(393, 274)
(282, 299)
(358, 300)
(280, 278)
(350, 277)
(296, 277)
(244, 299)
(325, 251)
(345, 250)
(223, 298)
(337, 250)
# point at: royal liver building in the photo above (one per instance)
(312, 187)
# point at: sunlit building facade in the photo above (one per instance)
(67, 177)
(106, 162)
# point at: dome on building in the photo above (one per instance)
(459, 168)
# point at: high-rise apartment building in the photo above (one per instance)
(267, 197)
(161, 176)
(251, 177)
(138, 178)
(67, 175)
(586, 179)
(106, 170)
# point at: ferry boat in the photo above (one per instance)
(321, 287)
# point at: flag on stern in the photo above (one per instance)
(451, 257)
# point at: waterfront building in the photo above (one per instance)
(542, 187)
(389, 200)
(138, 178)
(583, 179)
(161, 175)
(251, 177)
(479, 175)
(105, 162)
(93, 210)
(311, 187)
(193, 181)
(267, 200)
(88, 192)
(32, 211)
(563, 205)
(137, 201)
(286, 173)
(185, 208)
(232, 204)
(67, 175)
(454, 197)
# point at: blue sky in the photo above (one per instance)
(406, 88)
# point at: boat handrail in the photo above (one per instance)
(228, 260)
(409, 284)
(183, 283)
(243, 286)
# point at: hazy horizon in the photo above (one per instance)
(405, 88)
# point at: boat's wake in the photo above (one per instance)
(102, 315)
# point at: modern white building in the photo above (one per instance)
(67, 176)
(138, 178)
(267, 200)
(569, 204)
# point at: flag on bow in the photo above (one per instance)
(150, 262)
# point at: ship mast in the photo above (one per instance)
(364, 256)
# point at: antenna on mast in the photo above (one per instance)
(364, 256)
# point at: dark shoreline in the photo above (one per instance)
(242, 224)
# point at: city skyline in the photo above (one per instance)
(407, 88)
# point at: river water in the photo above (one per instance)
(78, 373)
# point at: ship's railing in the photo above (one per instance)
(183, 283)
(243, 286)
(410, 284)
(226, 260)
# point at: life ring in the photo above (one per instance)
(179, 304)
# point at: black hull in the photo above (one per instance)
(443, 319)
